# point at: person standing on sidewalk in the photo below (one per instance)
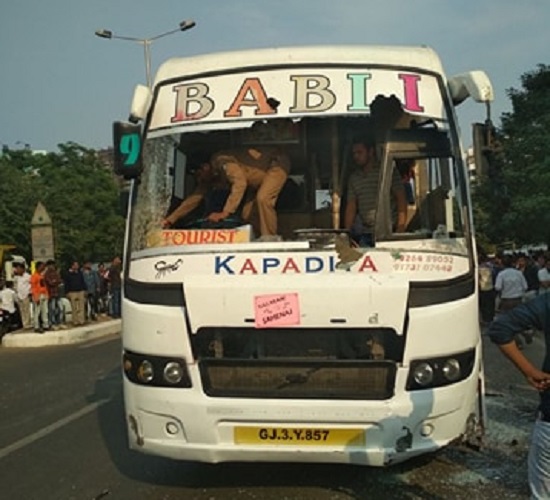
(22, 284)
(7, 305)
(115, 285)
(534, 314)
(511, 286)
(75, 289)
(486, 290)
(530, 271)
(91, 278)
(103, 302)
(53, 280)
(544, 276)
(39, 293)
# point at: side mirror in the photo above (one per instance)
(485, 147)
(475, 84)
(127, 149)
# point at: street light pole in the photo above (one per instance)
(146, 42)
(147, 55)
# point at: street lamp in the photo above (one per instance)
(146, 42)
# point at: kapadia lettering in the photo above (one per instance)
(311, 93)
(233, 264)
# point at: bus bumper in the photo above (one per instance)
(205, 429)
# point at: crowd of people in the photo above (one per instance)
(507, 280)
(39, 301)
(514, 303)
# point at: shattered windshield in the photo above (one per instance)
(299, 182)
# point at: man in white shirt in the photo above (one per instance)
(23, 292)
(7, 304)
(544, 276)
(510, 284)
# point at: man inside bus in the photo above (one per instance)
(362, 194)
(211, 192)
(263, 171)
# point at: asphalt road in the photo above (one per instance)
(62, 436)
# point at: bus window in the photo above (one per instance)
(436, 201)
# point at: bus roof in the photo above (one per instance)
(420, 57)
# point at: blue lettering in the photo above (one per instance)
(314, 264)
(270, 263)
(222, 265)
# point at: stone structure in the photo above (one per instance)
(42, 235)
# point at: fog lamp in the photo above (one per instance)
(145, 372)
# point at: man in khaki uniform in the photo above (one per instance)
(206, 182)
(265, 170)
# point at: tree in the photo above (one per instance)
(79, 192)
(513, 202)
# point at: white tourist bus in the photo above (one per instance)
(309, 347)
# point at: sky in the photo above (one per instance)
(61, 83)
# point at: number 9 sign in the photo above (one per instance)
(127, 149)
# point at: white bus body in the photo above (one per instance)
(306, 348)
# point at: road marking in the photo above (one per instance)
(99, 341)
(4, 452)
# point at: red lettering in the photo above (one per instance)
(192, 237)
(367, 264)
(225, 235)
(258, 100)
(166, 235)
(290, 265)
(410, 82)
(248, 266)
(178, 238)
(206, 236)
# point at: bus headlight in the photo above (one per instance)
(155, 371)
(441, 371)
(423, 374)
(451, 370)
(173, 372)
(145, 372)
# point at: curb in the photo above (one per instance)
(62, 337)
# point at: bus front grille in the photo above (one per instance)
(327, 379)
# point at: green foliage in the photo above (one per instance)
(513, 202)
(80, 194)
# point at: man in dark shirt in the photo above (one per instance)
(532, 314)
(115, 285)
(210, 191)
(53, 280)
(75, 289)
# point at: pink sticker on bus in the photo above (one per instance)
(276, 310)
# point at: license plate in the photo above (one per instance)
(298, 436)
